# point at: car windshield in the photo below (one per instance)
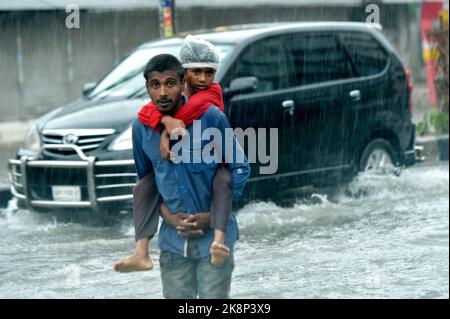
(126, 79)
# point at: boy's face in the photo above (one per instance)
(200, 79)
(165, 90)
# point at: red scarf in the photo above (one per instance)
(192, 110)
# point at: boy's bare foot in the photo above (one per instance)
(134, 263)
(219, 253)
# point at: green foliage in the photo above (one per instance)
(439, 120)
(423, 127)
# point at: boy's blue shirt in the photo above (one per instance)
(187, 187)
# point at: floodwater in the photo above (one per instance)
(378, 237)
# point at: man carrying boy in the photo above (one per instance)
(186, 187)
(200, 60)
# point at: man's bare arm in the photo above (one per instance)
(173, 220)
(171, 123)
(164, 145)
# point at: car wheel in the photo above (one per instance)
(378, 157)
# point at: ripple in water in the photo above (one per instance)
(378, 237)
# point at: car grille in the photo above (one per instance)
(42, 179)
(113, 180)
(86, 140)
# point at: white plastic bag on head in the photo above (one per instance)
(198, 53)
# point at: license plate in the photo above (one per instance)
(66, 193)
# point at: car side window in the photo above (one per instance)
(366, 53)
(265, 60)
(316, 58)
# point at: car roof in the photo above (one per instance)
(239, 33)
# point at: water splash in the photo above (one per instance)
(24, 220)
(378, 237)
(411, 181)
(389, 195)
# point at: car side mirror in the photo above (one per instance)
(88, 87)
(242, 85)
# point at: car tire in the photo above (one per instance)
(379, 156)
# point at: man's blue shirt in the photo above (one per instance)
(187, 186)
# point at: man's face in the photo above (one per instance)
(165, 90)
(200, 79)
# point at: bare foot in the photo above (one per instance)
(134, 263)
(219, 253)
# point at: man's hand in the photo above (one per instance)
(173, 125)
(193, 225)
(178, 222)
(186, 225)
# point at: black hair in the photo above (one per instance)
(164, 62)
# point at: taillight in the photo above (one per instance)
(410, 87)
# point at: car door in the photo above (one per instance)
(378, 107)
(323, 90)
(262, 108)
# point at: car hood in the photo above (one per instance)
(84, 114)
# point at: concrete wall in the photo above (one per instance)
(57, 61)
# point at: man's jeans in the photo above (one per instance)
(185, 278)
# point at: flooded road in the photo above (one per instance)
(379, 237)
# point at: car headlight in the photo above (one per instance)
(32, 141)
(122, 142)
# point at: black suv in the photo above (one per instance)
(337, 92)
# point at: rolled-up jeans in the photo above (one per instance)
(194, 276)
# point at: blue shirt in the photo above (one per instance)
(186, 185)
